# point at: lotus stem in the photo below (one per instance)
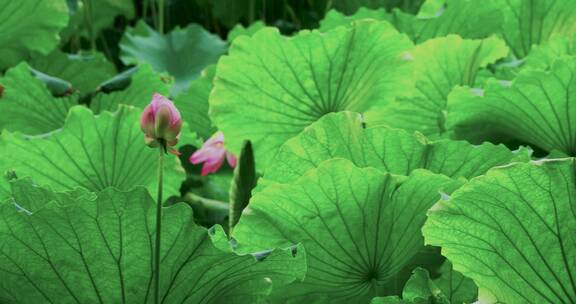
(161, 13)
(162, 150)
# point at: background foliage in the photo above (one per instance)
(389, 151)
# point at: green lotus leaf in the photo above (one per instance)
(27, 106)
(418, 290)
(512, 231)
(240, 30)
(432, 8)
(359, 226)
(83, 247)
(335, 18)
(343, 135)
(143, 84)
(464, 18)
(29, 26)
(94, 152)
(543, 56)
(72, 68)
(456, 287)
(440, 65)
(193, 104)
(530, 23)
(534, 108)
(4, 184)
(271, 87)
(449, 287)
(182, 53)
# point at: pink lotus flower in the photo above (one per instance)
(212, 154)
(161, 122)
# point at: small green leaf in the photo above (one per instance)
(118, 82)
(512, 231)
(421, 288)
(242, 184)
(183, 53)
(58, 87)
(449, 287)
(456, 287)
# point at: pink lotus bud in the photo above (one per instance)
(161, 122)
(212, 154)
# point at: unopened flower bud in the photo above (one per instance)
(161, 122)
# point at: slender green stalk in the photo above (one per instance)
(161, 15)
(158, 225)
(154, 14)
(329, 5)
(106, 48)
(89, 19)
(252, 11)
(145, 9)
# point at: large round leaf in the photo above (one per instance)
(359, 226)
(270, 87)
(29, 26)
(27, 106)
(94, 152)
(513, 231)
(183, 53)
(80, 247)
(396, 151)
(537, 107)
